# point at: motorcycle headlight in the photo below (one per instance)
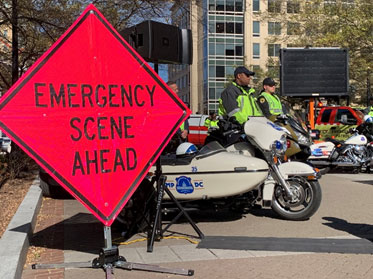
(280, 146)
(302, 139)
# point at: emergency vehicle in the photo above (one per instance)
(197, 129)
(330, 122)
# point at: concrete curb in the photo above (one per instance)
(15, 240)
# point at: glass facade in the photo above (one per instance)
(223, 47)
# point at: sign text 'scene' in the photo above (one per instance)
(71, 95)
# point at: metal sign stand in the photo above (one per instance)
(109, 258)
(156, 232)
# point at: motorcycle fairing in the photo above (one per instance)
(296, 169)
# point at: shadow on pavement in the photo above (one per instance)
(356, 229)
(264, 212)
(368, 182)
(206, 215)
(82, 232)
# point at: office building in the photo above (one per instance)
(227, 34)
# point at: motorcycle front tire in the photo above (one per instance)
(309, 200)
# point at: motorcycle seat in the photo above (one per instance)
(334, 141)
(173, 160)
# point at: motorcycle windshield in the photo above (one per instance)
(210, 149)
(295, 119)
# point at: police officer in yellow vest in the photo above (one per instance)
(211, 122)
(268, 101)
(237, 99)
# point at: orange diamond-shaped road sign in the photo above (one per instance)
(93, 114)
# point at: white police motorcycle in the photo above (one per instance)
(354, 154)
(244, 173)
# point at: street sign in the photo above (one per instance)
(93, 114)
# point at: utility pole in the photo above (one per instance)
(14, 41)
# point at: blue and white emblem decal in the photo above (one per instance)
(278, 128)
(317, 152)
(184, 185)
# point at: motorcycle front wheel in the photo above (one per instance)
(307, 199)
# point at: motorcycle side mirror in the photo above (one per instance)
(352, 130)
(315, 134)
(282, 118)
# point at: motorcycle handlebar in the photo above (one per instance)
(230, 132)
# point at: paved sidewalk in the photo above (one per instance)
(50, 216)
(69, 237)
(68, 233)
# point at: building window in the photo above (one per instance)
(220, 71)
(211, 27)
(274, 49)
(212, 72)
(229, 51)
(220, 5)
(274, 28)
(229, 6)
(238, 5)
(274, 6)
(230, 27)
(239, 51)
(292, 7)
(293, 28)
(238, 28)
(220, 49)
(256, 50)
(211, 93)
(211, 49)
(256, 28)
(229, 70)
(256, 5)
(220, 27)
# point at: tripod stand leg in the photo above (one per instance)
(109, 271)
(172, 197)
(109, 259)
(62, 265)
(154, 268)
(157, 221)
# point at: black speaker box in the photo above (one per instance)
(314, 72)
(160, 43)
